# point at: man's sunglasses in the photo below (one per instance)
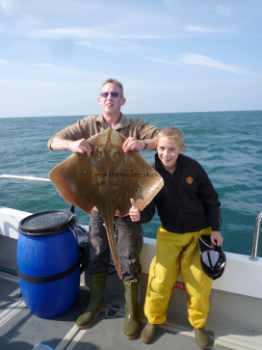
(113, 94)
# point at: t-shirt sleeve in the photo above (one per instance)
(78, 130)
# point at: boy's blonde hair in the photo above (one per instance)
(174, 134)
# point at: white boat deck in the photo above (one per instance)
(235, 315)
(20, 330)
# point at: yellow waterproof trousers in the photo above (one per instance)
(177, 253)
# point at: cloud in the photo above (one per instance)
(3, 61)
(202, 60)
(160, 60)
(84, 33)
(44, 65)
(114, 46)
(61, 72)
(70, 33)
(201, 29)
(7, 6)
(223, 10)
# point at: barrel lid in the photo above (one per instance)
(47, 222)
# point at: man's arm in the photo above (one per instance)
(142, 136)
(132, 144)
(150, 143)
(79, 146)
(74, 137)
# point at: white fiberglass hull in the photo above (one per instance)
(236, 298)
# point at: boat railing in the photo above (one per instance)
(24, 177)
(256, 236)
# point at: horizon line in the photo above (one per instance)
(129, 114)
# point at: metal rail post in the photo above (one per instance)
(255, 240)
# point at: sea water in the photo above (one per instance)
(227, 144)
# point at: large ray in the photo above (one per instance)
(107, 180)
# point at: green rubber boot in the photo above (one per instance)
(131, 323)
(96, 295)
(205, 339)
(148, 333)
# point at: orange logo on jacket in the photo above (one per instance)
(189, 180)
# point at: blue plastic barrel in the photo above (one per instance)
(48, 262)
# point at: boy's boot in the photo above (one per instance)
(205, 339)
(96, 295)
(131, 323)
(148, 333)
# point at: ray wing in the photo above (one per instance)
(107, 180)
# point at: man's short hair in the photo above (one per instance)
(116, 82)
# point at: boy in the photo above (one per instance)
(188, 207)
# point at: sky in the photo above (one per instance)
(172, 56)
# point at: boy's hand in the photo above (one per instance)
(216, 238)
(134, 212)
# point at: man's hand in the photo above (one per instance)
(132, 144)
(81, 146)
(134, 212)
(216, 238)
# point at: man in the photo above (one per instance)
(139, 135)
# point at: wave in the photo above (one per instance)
(24, 177)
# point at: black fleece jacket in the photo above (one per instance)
(188, 201)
